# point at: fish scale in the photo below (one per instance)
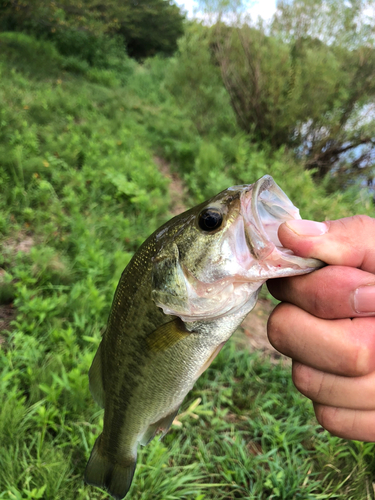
(184, 293)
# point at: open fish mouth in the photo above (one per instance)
(247, 254)
(270, 208)
(264, 209)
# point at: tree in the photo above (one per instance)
(307, 81)
(146, 26)
(43, 16)
(151, 26)
(348, 23)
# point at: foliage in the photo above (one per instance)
(333, 22)
(306, 82)
(89, 29)
(344, 136)
(195, 81)
(43, 16)
(151, 27)
(79, 182)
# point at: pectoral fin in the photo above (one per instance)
(167, 335)
(161, 425)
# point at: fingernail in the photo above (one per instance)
(307, 227)
(364, 299)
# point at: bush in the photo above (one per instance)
(196, 83)
(90, 29)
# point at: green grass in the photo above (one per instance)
(78, 179)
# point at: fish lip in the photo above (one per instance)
(278, 208)
(266, 183)
(260, 242)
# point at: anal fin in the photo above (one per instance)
(162, 425)
(96, 378)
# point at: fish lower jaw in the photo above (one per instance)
(280, 262)
(240, 297)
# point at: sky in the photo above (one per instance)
(262, 8)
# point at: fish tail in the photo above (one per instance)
(115, 477)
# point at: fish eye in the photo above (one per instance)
(210, 219)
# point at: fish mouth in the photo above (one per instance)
(271, 207)
(264, 209)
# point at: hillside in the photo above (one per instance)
(83, 181)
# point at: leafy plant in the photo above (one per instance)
(80, 191)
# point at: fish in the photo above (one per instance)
(185, 291)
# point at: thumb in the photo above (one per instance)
(344, 242)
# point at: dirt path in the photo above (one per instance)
(177, 190)
(9, 248)
(255, 329)
(7, 314)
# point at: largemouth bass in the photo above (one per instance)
(183, 294)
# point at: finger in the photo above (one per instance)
(343, 346)
(357, 393)
(331, 292)
(344, 242)
(347, 423)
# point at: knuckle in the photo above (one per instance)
(346, 423)
(275, 326)
(318, 304)
(329, 417)
(355, 222)
(363, 361)
(363, 220)
(302, 378)
(324, 303)
(312, 383)
(315, 292)
(360, 359)
(360, 362)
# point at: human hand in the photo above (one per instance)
(326, 322)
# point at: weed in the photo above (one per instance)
(79, 183)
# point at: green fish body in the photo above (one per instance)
(184, 293)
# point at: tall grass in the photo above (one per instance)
(78, 181)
